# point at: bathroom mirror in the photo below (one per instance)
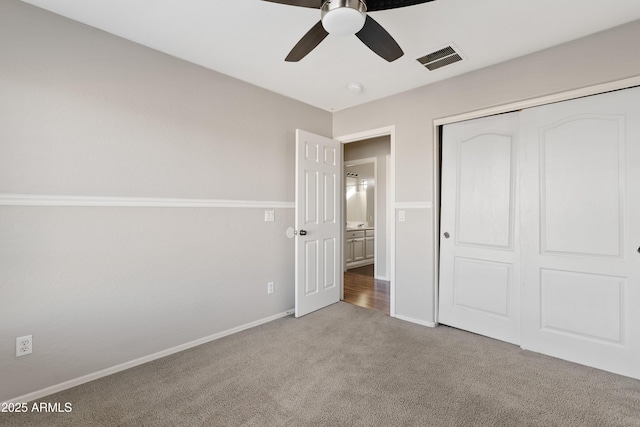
(359, 190)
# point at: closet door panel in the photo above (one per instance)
(579, 213)
(479, 284)
(582, 177)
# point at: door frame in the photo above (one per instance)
(499, 109)
(389, 131)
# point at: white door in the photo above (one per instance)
(479, 269)
(581, 230)
(318, 221)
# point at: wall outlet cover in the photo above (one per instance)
(24, 345)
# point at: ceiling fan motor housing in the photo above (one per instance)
(343, 17)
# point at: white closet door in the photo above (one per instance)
(479, 272)
(580, 218)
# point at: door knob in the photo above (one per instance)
(446, 235)
(291, 232)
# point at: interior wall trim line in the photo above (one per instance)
(414, 205)
(135, 202)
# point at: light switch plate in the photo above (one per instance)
(401, 216)
(269, 216)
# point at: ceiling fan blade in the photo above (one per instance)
(379, 40)
(307, 43)
(316, 4)
(373, 5)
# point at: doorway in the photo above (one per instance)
(366, 212)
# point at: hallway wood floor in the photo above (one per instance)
(361, 289)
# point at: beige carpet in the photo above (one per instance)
(346, 365)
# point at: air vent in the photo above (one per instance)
(440, 58)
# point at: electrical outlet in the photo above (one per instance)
(270, 288)
(24, 345)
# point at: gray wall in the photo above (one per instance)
(379, 148)
(599, 58)
(84, 113)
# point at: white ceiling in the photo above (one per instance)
(248, 39)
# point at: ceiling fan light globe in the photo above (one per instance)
(343, 17)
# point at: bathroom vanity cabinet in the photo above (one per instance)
(359, 247)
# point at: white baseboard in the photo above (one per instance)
(357, 264)
(141, 360)
(418, 321)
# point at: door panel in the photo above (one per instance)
(580, 161)
(310, 197)
(318, 254)
(598, 294)
(479, 285)
(485, 173)
(330, 198)
(330, 265)
(311, 267)
(580, 230)
(358, 249)
(482, 285)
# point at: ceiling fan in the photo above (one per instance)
(345, 17)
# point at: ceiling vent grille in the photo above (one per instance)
(440, 58)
